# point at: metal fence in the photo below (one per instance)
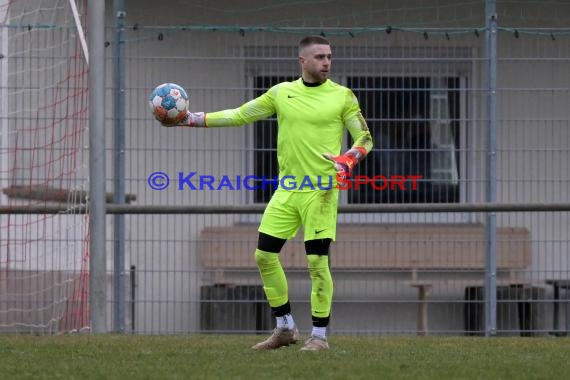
(469, 98)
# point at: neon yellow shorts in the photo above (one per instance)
(288, 210)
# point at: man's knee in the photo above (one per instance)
(266, 259)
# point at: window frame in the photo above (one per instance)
(466, 167)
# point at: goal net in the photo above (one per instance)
(43, 160)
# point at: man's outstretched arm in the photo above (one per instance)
(259, 108)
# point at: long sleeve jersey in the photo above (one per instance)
(311, 121)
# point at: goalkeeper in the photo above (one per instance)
(312, 113)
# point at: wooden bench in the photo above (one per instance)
(379, 247)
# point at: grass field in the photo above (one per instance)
(230, 357)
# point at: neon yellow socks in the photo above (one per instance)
(321, 285)
(273, 277)
(276, 289)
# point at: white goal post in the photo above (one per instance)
(79, 30)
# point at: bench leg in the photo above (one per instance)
(566, 312)
(556, 307)
(423, 291)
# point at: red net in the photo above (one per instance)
(43, 161)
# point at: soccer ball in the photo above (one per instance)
(169, 103)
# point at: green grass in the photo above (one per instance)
(230, 357)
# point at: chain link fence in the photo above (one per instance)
(467, 101)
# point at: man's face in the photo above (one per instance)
(315, 63)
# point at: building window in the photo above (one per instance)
(414, 122)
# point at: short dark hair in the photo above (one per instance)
(312, 40)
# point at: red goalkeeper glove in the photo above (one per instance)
(192, 119)
(347, 161)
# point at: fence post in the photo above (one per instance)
(491, 169)
(97, 211)
(119, 167)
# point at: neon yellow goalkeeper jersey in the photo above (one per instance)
(311, 120)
